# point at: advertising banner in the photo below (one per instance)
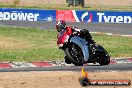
(27, 14)
(67, 15)
(94, 16)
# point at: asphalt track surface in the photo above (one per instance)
(111, 67)
(125, 29)
(116, 28)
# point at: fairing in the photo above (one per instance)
(63, 37)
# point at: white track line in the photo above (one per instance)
(111, 34)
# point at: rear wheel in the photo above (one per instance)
(103, 56)
(74, 54)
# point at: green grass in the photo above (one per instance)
(26, 44)
(117, 46)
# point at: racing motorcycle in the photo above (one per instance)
(80, 51)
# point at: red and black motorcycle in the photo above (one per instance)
(80, 51)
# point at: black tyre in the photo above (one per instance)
(67, 60)
(75, 55)
(103, 56)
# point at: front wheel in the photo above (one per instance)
(74, 54)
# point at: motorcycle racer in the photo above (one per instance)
(61, 25)
(79, 47)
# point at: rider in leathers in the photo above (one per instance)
(61, 25)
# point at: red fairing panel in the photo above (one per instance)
(63, 35)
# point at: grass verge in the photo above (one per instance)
(26, 44)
